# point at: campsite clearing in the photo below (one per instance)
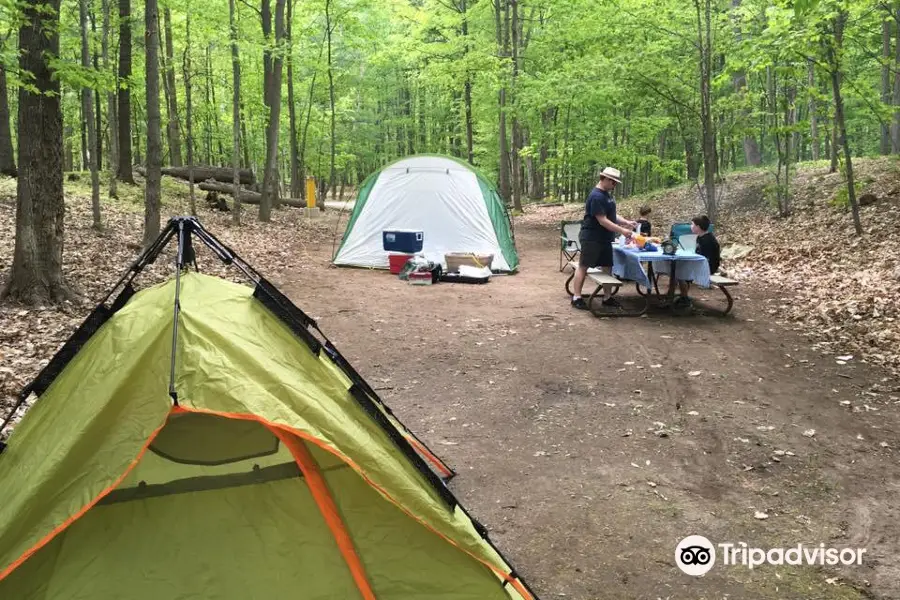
(591, 447)
(550, 416)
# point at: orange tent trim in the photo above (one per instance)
(65, 524)
(321, 494)
(515, 583)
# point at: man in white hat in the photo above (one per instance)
(598, 232)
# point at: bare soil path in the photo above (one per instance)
(589, 448)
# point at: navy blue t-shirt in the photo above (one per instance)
(598, 203)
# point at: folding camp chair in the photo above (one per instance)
(569, 246)
(680, 229)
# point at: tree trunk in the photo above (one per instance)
(895, 125)
(124, 112)
(296, 182)
(813, 122)
(154, 137)
(215, 105)
(247, 196)
(135, 119)
(87, 105)
(504, 151)
(69, 163)
(515, 158)
(320, 202)
(834, 56)
(245, 145)
(207, 114)
(272, 64)
(188, 107)
(333, 141)
(36, 275)
(467, 86)
(7, 157)
(704, 39)
(112, 121)
(173, 129)
(84, 146)
(885, 146)
(752, 156)
(97, 148)
(833, 154)
(235, 114)
(205, 173)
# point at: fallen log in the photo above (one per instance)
(204, 173)
(247, 197)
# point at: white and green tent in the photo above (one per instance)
(457, 209)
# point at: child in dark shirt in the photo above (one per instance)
(708, 246)
(644, 222)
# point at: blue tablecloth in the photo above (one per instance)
(688, 265)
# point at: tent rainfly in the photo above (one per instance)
(203, 439)
(457, 209)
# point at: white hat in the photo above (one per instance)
(611, 173)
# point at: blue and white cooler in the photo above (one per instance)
(407, 241)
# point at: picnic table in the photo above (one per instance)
(628, 265)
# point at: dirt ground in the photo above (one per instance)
(589, 448)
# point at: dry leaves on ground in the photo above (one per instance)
(93, 262)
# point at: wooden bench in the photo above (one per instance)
(723, 283)
(592, 274)
(594, 303)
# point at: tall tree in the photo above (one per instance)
(704, 46)
(36, 276)
(7, 158)
(329, 29)
(467, 85)
(296, 183)
(154, 137)
(515, 158)
(501, 26)
(110, 107)
(835, 47)
(173, 129)
(272, 65)
(813, 117)
(235, 114)
(87, 105)
(188, 107)
(895, 124)
(98, 148)
(886, 80)
(320, 201)
(752, 156)
(124, 108)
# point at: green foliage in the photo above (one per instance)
(841, 198)
(597, 84)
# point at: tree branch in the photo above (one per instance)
(251, 7)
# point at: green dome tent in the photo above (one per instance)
(203, 439)
(456, 207)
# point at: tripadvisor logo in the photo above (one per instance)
(696, 555)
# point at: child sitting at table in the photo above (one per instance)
(644, 222)
(708, 246)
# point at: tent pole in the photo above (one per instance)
(179, 264)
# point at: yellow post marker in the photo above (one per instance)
(310, 192)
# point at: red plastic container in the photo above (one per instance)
(397, 261)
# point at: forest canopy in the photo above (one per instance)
(538, 94)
